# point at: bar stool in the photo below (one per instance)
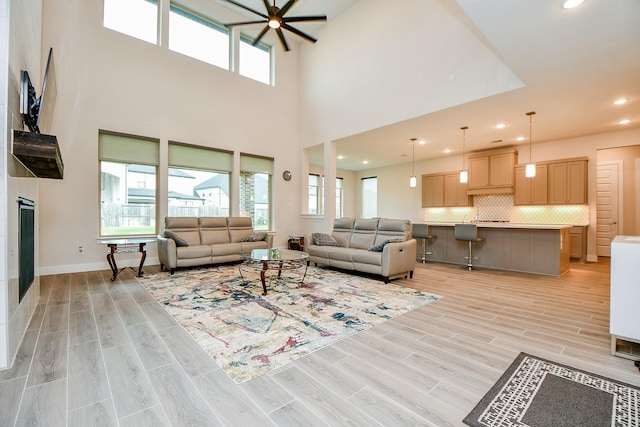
(421, 231)
(468, 233)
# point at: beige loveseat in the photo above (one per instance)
(207, 240)
(377, 246)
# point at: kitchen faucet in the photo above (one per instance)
(477, 214)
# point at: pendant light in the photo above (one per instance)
(530, 168)
(464, 174)
(413, 180)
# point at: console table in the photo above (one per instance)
(126, 245)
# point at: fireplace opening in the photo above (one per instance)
(26, 245)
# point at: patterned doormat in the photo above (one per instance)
(536, 392)
(248, 334)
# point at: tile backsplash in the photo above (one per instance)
(500, 207)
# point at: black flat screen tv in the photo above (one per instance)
(37, 112)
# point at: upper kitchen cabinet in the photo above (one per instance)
(531, 191)
(492, 172)
(568, 182)
(432, 191)
(444, 190)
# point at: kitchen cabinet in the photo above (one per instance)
(444, 190)
(432, 191)
(531, 191)
(492, 172)
(455, 193)
(578, 242)
(624, 317)
(567, 182)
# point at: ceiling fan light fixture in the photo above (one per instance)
(274, 22)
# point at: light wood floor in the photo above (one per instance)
(103, 353)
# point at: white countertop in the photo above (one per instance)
(504, 225)
(631, 240)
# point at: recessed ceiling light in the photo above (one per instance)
(447, 151)
(570, 4)
(422, 142)
(366, 162)
(500, 125)
(520, 138)
(621, 101)
(340, 157)
(624, 122)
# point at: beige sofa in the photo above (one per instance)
(207, 240)
(356, 241)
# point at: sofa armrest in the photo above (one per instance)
(167, 252)
(269, 240)
(399, 257)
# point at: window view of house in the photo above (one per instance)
(198, 193)
(127, 199)
(255, 190)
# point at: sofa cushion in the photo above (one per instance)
(342, 230)
(239, 228)
(195, 251)
(324, 239)
(380, 246)
(213, 230)
(393, 229)
(184, 227)
(364, 233)
(179, 240)
(255, 237)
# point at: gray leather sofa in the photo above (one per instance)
(207, 240)
(357, 241)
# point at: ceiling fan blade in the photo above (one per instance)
(283, 42)
(305, 18)
(235, 24)
(262, 33)
(267, 6)
(248, 8)
(285, 8)
(298, 33)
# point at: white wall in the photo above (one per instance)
(107, 80)
(19, 50)
(380, 63)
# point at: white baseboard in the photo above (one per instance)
(94, 266)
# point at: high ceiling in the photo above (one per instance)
(573, 64)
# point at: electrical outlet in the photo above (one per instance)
(80, 250)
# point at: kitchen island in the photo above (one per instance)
(529, 248)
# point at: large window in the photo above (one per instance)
(255, 61)
(314, 207)
(198, 181)
(255, 190)
(128, 181)
(136, 18)
(370, 197)
(315, 201)
(198, 37)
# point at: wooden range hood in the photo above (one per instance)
(39, 153)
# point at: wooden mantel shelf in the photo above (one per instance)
(39, 153)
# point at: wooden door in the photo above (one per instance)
(608, 198)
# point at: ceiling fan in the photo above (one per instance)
(275, 18)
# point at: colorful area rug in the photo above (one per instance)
(538, 393)
(248, 334)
